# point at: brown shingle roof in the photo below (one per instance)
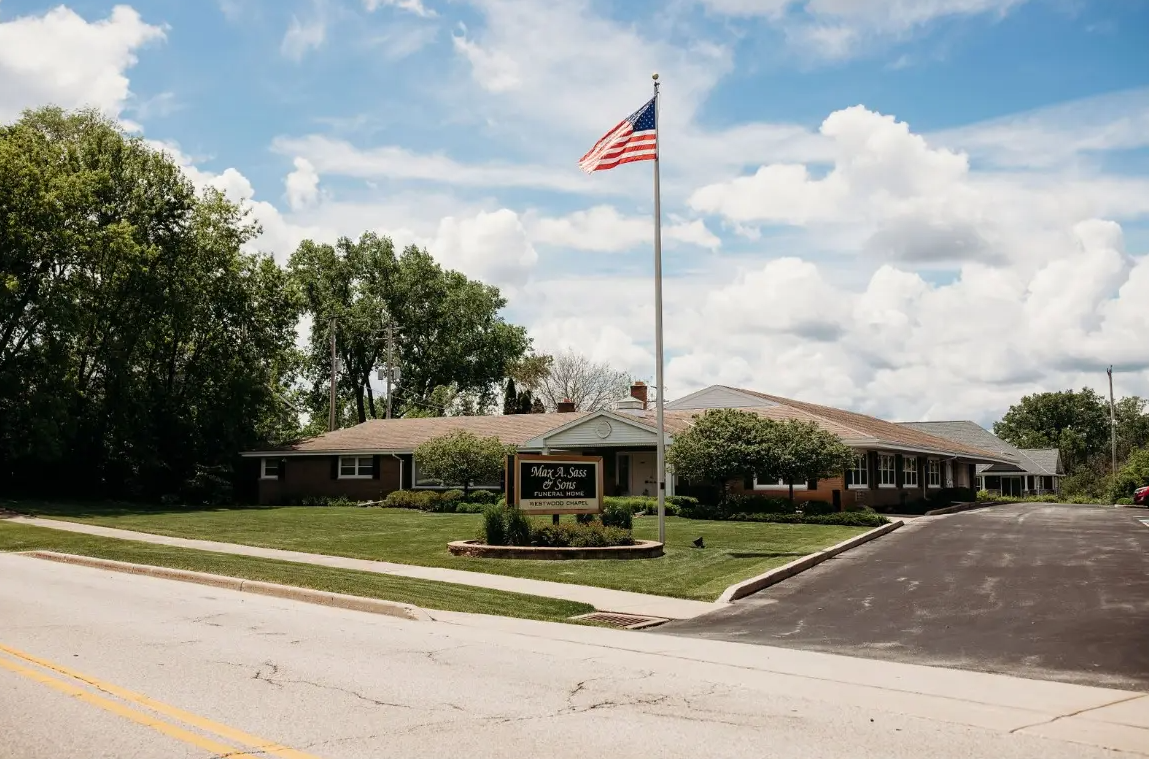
(862, 426)
(396, 435)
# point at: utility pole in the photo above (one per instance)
(1112, 420)
(390, 362)
(334, 372)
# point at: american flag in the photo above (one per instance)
(634, 139)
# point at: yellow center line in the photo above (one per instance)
(229, 733)
(141, 718)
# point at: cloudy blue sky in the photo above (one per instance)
(915, 208)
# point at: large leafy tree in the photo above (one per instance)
(450, 332)
(140, 347)
(1076, 422)
(461, 459)
(724, 445)
(803, 451)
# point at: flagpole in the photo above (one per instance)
(661, 456)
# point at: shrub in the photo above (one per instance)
(681, 501)
(617, 515)
(494, 526)
(427, 500)
(703, 511)
(850, 519)
(518, 527)
(470, 508)
(576, 535)
(401, 499)
(485, 496)
(443, 506)
(452, 496)
(818, 508)
(585, 518)
(340, 502)
(208, 486)
(756, 504)
(1124, 501)
(984, 495)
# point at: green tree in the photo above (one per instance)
(450, 330)
(530, 370)
(1076, 422)
(1132, 475)
(140, 347)
(461, 459)
(1132, 425)
(803, 451)
(511, 398)
(724, 445)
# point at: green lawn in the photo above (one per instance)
(734, 550)
(424, 593)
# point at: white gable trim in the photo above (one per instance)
(719, 396)
(591, 420)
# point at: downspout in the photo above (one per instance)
(400, 469)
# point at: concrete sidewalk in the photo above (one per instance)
(602, 599)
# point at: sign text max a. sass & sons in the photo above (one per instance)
(554, 484)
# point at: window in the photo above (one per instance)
(858, 475)
(355, 466)
(779, 485)
(887, 473)
(934, 472)
(910, 471)
(270, 469)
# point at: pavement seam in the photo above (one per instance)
(1079, 712)
(817, 678)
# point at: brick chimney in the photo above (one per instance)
(565, 406)
(638, 390)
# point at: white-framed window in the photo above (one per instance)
(934, 473)
(779, 485)
(356, 467)
(858, 475)
(910, 471)
(269, 469)
(887, 471)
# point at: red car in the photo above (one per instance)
(1141, 496)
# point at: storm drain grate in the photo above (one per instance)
(624, 621)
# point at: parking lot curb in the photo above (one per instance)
(290, 592)
(775, 576)
(960, 507)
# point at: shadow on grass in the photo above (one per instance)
(82, 509)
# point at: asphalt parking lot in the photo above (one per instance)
(1045, 591)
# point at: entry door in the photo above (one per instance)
(642, 476)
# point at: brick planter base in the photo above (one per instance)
(642, 549)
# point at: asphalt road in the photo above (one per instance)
(1044, 591)
(98, 665)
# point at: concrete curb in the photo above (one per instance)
(959, 507)
(307, 595)
(775, 576)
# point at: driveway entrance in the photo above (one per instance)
(1043, 591)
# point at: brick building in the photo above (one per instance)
(895, 463)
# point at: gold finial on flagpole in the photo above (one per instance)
(654, 76)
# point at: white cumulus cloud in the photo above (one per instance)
(59, 57)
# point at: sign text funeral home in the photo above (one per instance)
(556, 484)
